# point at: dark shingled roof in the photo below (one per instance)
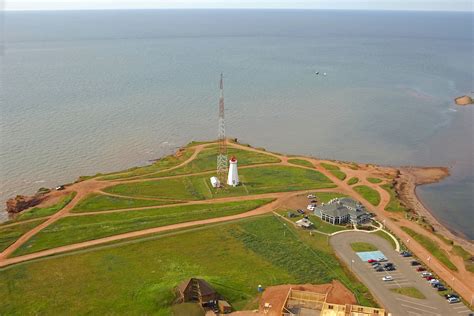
(206, 288)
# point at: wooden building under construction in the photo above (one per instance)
(196, 290)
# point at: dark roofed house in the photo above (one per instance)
(196, 290)
(341, 211)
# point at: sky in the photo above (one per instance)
(429, 5)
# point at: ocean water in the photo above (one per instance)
(97, 91)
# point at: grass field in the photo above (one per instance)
(206, 161)
(70, 230)
(362, 246)
(301, 162)
(319, 224)
(329, 166)
(161, 164)
(338, 174)
(395, 205)
(8, 235)
(353, 181)
(38, 212)
(138, 277)
(257, 180)
(374, 180)
(98, 202)
(324, 197)
(371, 195)
(432, 246)
(409, 291)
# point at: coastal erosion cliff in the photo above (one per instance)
(406, 182)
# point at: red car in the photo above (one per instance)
(419, 269)
(429, 278)
(371, 260)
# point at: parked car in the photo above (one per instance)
(390, 268)
(453, 300)
(310, 207)
(388, 264)
(387, 278)
(382, 259)
(433, 281)
(310, 196)
(372, 261)
(300, 211)
(426, 274)
(436, 285)
(379, 269)
(420, 269)
(441, 288)
(429, 277)
(405, 254)
(415, 263)
(451, 295)
(314, 201)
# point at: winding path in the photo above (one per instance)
(462, 281)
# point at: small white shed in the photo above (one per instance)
(215, 182)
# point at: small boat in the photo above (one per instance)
(324, 74)
(317, 72)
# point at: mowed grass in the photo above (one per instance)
(329, 166)
(324, 197)
(70, 230)
(353, 181)
(206, 161)
(338, 174)
(395, 205)
(99, 202)
(409, 291)
(38, 212)
(138, 277)
(362, 246)
(374, 180)
(301, 162)
(432, 246)
(159, 165)
(8, 235)
(371, 195)
(385, 236)
(257, 180)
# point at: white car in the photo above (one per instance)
(310, 207)
(310, 196)
(433, 281)
(426, 274)
(387, 278)
(453, 300)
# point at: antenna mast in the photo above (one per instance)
(222, 154)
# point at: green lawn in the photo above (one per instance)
(395, 205)
(161, 164)
(338, 174)
(8, 235)
(319, 224)
(98, 202)
(187, 309)
(409, 291)
(37, 212)
(256, 180)
(372, 196)
(432, 246)
(329, 166)
(206, 161)
(362, 247)
(70, 230)
(138, 277)
(353, 181)
(374, 180)
(301, 162)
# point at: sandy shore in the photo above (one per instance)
(406, 183)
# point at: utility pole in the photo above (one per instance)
(222, 154)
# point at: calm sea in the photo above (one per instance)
(93, 91)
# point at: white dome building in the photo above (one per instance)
(233, 176)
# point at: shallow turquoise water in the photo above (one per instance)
(97, 91)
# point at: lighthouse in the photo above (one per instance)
(233, 176)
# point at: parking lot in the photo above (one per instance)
(405, 275)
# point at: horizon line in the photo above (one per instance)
(235, 8)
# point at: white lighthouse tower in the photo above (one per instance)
(233, 176)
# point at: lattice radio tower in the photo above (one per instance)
(222, 154)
